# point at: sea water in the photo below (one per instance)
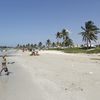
(2, 51)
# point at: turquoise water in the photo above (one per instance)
(6, 51)
(1, 49)
(1, 52)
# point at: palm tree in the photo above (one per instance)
(48, 43)
(53, 44)
(29, 47)
(17, 46)
(64, 34)
(32, 46)
(24, 46)
(58, 36)
(40, 45)
(35, 46)
(68, 42)
(20, 46)
(43, 47)
(89, 33)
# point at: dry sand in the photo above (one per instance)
(52, 76)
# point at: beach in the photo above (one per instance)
(53, 75)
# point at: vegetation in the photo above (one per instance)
(48, 43)
(95, 50)
(65, 43)
(89, 33)
(64, 36)
(78, 50)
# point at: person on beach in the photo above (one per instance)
(4, 66)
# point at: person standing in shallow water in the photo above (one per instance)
(4, 66)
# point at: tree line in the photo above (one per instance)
(89, 33)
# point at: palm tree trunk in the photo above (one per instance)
(87, 44)
(64, 41)
(90, 44)
(57, 42)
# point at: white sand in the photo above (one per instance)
(59, 76)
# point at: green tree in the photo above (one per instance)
(32, 46)
(29, 47)
(43, 47)
(53, 44)
(58, 37)
(35, 46)
(48, 43)
(68, 42)
(24, 46)
(64, 34)
(17, 46)
(89, 33)
(40, 45)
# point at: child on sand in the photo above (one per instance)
(4, 66)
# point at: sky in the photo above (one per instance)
(32, 21)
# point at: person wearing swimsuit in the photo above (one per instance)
(4, 66)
